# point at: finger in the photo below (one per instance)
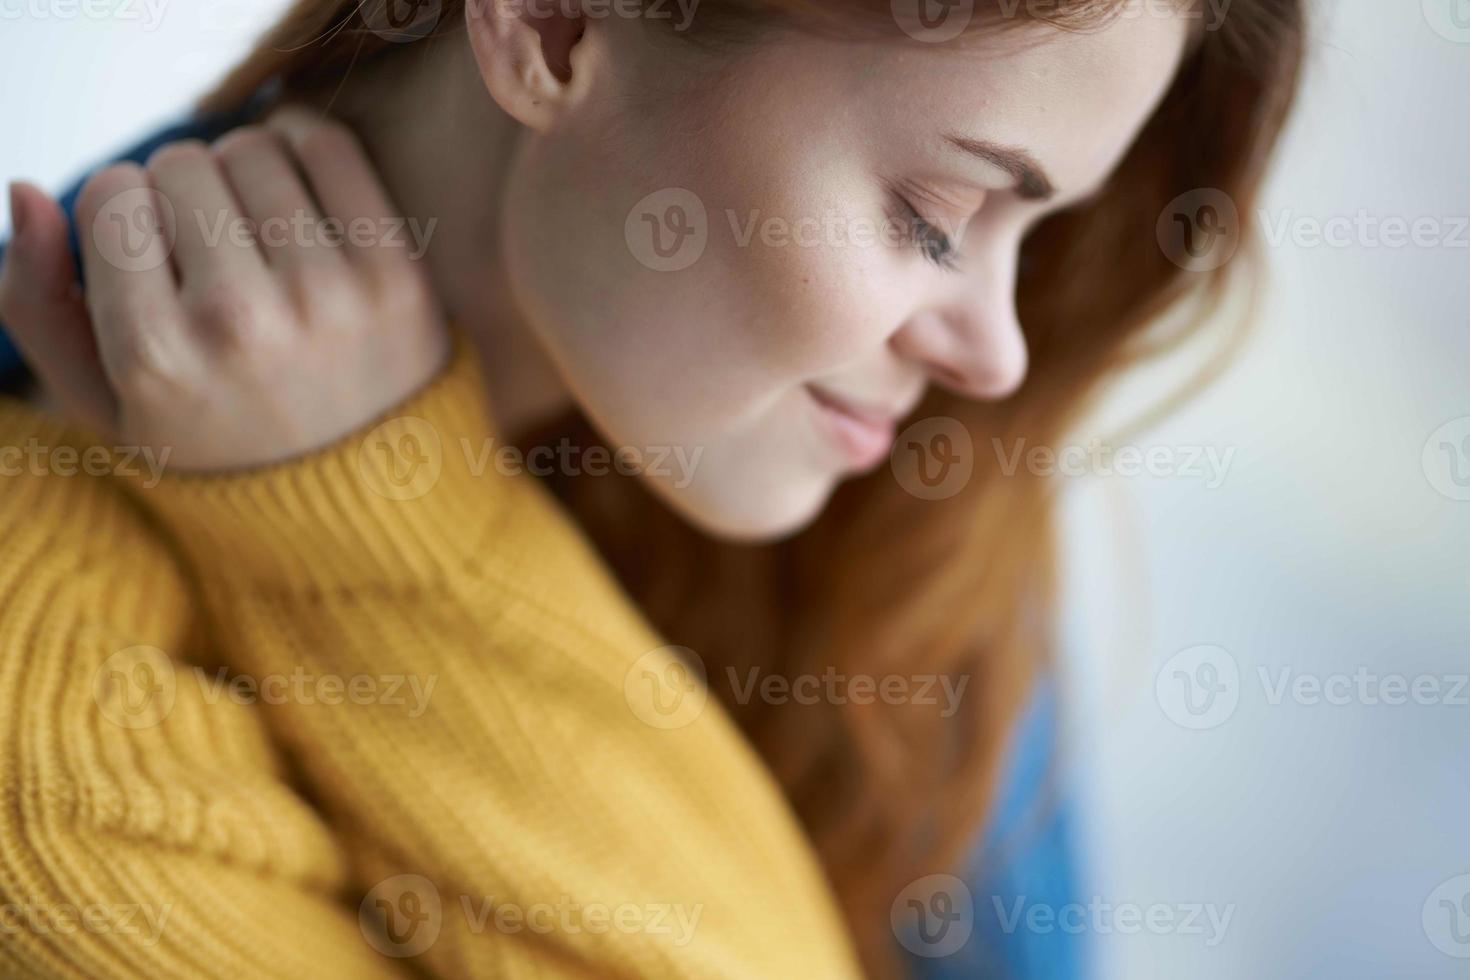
(214, 246)
(44, 314)
(126, 233)
(271, 192)
(347, 187)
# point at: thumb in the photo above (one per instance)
(43, 311)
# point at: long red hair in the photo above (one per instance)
(885, 583)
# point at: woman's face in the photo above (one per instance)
(757, 263)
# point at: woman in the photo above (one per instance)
(750, 238)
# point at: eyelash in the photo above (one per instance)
(936, 247)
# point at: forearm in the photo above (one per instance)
(146, 827)
(502, 743)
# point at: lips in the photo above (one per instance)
(863, 434)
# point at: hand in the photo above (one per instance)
(226, 316)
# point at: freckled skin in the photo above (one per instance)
(717, 356)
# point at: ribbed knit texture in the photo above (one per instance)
(483, 711)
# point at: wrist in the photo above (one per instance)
(398, 500)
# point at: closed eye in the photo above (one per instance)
(935, 245)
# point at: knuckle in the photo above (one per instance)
(221, 312)
(147, 357)
(246, 141)
(328, 139)
(108, 182)
(325, 295)
(136, 314)
(177, 155)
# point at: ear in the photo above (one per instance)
(525, 51)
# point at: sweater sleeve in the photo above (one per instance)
(531, 783)
(147, 826)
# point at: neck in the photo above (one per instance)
(444, 150)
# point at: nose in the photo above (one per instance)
(970, 341)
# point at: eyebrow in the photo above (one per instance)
(1032, 183)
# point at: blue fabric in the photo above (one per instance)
(1027, 860)
(1027, 854)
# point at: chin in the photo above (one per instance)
(749, 515)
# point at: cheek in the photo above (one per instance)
(815, 307)
(709, 358)
(801, 235)
(799, 227)
(781, 291)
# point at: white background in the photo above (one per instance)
(1325, 551)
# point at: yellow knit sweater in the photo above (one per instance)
(379, 712)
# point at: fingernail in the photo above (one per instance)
(18, 212)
